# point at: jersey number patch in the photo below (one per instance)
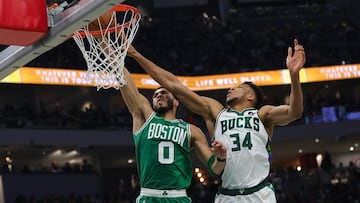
(166, 152)
(237, 145)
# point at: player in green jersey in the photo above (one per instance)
(163, 144)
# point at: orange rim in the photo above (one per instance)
(117, 8)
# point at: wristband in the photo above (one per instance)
(210, 163)
(220, 159)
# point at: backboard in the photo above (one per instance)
(61, 26)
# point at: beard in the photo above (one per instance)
(231, 101)
(164, 109)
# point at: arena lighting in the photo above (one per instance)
(75, 161)
(87, 105)
(351, 148)
(57, 152)
(298, 168)
(319, 159)
(130, 161)
(199, 175)
(205, 15)
(300, 151)
(197, 170)
(317, 140)
(8, 159)
(72, 153)
(334, 181)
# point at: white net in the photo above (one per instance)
(105, 50)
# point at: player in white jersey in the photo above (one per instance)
(244, 178)
(244, 126)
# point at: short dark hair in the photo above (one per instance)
(258, 93)
(161, 87)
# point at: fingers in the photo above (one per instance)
(297, 46)
(296, 42)
(299, 50)
(216, 143)
(219, 149)
(290, 52)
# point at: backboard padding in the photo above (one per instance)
(61, 27)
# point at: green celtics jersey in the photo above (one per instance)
(162, 153)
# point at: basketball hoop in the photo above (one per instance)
(104, 49)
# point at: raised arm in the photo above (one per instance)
(206, 107)
(138, 105)
(205, 154)
(284, 114)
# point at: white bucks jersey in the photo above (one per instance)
(248, 148)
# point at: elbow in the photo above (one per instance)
(297, 114)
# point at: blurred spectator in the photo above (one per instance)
(55, 168)
(86, 166)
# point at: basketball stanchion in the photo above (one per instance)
(104, 43)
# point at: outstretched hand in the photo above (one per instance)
(219, 149)
(296, 61)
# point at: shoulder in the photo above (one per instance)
(196, 132)
(194, 128)
(264, 112)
